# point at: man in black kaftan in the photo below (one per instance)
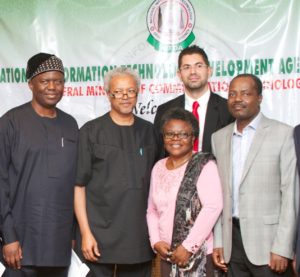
(38, 152)
(116, 155)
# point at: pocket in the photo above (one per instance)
(62, 159)
(99, 152)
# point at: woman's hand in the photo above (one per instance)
(89, 247)
(162, 248)
(180, 256)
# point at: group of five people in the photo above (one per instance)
(224, 193)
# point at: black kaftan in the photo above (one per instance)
(115, 164)
(37, 176)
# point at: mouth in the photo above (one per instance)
(238, 107)
(194, 78)
(125, 103)
(175, 145)
(52, 95)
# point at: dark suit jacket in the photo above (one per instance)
(297, 147)
(217, 117)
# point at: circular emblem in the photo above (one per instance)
(170, 24)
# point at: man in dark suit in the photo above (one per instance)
(194, 71)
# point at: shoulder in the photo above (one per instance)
(203, 157)
(159, 166)
(297, 131)
(16, 114)
(176, 102)
(18, 110)
(218, 99)
(143, 123)
(219, 103)
(94, 124)
(222, 132)
(275, 125)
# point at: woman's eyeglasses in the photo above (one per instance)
(179, 135)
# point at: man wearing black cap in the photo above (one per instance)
(38, 145)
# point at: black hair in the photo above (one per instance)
(194, 49)
(180, 114)
(256, 80)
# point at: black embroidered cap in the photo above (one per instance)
(43, 62)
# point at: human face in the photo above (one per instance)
(243, 100)
(122, 107)
(47, 89)
(176, 147)
(194, 74)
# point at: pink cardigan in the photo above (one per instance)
(161, 205)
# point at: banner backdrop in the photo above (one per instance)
(93, 36)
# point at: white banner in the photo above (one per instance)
(91, 37)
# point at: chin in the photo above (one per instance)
(51, 104)
(126, 112)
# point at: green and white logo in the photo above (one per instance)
(171, 23)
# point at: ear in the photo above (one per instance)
(260, 98)
(109, 97)
(30, 85)
(193, 140)
(210, 71)
(179, 74)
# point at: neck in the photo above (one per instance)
(124, 120)
(196, 93)
(241, 124)
(174, 162)
(44, 112)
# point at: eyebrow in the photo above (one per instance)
(193, 63)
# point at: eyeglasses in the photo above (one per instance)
(197, 66)
(118, 94)
(180, 135)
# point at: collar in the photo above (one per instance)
(253, 124)
(203, 100)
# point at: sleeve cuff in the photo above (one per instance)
(9, 235)
(191, 247)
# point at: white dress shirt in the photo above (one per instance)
(241, 143)
(203, 101)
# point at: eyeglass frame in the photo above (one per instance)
(179, 135)
(122, 92)
(196, 66)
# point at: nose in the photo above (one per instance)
(125, 93)
(238, 97)
(51, 85)
(193, 69)
(175, 137)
